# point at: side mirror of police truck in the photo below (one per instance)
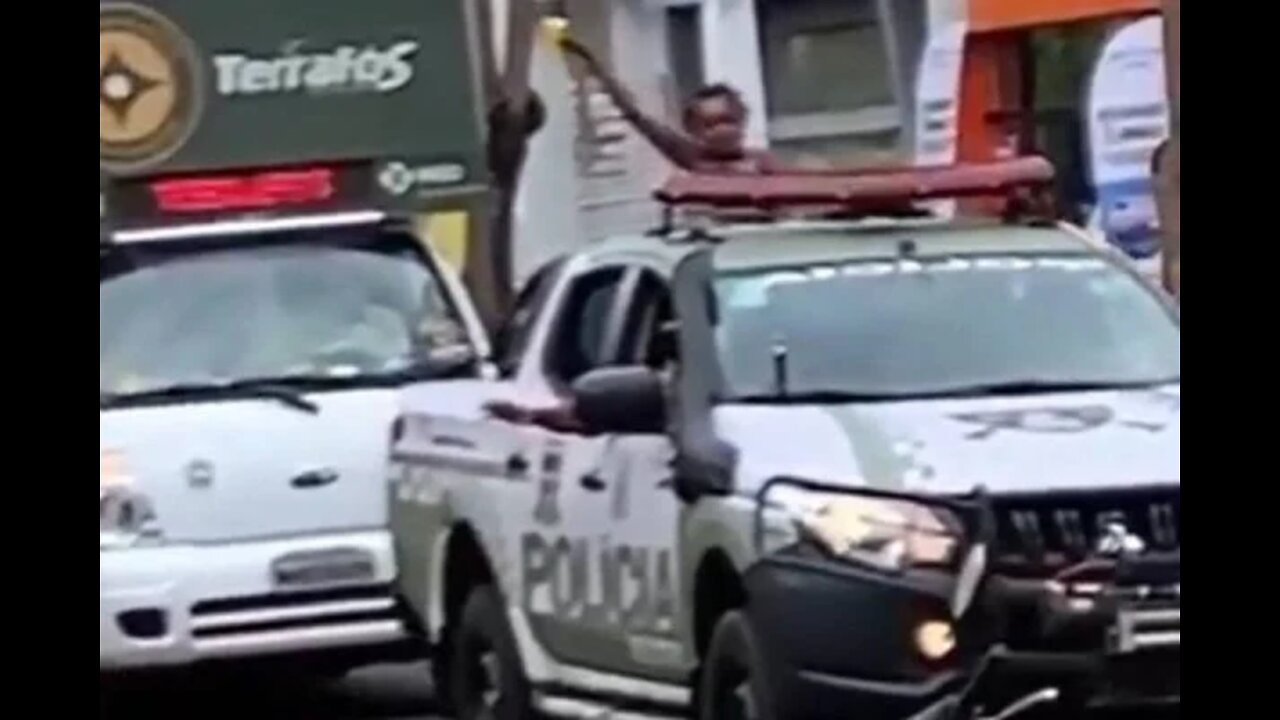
(627, 399)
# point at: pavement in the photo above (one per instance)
(384, 692)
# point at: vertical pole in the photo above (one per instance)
(507, 31)
(1169, 172)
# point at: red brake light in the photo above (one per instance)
(245, 192)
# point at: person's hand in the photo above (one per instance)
(506, 410)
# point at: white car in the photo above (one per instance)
(249, 375)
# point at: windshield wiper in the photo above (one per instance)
(267, 389)
(441, 365)
(1038, 386)
(289, 389)
(816, 397)
(1018, 387)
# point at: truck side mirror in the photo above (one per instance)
(625, 399)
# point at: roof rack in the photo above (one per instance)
(890, 191)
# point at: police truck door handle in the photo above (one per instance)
(592, 483)
(315, 478)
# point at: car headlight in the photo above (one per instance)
(126, 516)
(112, 472)
(886, 533)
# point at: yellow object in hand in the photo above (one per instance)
(555, 30)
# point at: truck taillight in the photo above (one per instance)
(397, 429)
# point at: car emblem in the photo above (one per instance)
(1046, 420)
(200, 474)
(1116, 541)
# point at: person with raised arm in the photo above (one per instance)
(714, 120)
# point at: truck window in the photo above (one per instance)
(577, 343)
(513, 338)
(651, 336)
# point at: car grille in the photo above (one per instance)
(330, 612)
(1039, 533)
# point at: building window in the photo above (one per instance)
(828, 78)
(819, 59)
(684, 52)
(847, 150)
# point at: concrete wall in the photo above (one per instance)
(1169, 182)
(731, 54)
(906, 27)
(941, 13)
(574, 191)
(547, 219)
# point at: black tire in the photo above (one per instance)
(734, 684)
(482, 648)
(441, 677)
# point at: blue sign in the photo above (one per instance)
(1128, 217)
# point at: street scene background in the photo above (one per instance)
(829, 84)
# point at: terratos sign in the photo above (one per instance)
(299, 69)
(189, 87)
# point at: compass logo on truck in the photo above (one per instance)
(148, 87)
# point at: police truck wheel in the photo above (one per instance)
(488, 681)
(441, 678)
(733, 685)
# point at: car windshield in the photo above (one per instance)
(958, 325)
(268, 312)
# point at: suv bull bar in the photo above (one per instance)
(1104, 637)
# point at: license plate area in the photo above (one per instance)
(314, 569)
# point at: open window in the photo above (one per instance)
(513, 337)
(651, 335)
(579, 339)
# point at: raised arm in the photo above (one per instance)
(678, 147)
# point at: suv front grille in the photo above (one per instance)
(1039, 533)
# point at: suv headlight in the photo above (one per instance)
(890, 534)
(126, 516)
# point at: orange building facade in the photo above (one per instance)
(1026, 64)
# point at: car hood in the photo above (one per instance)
(1005, 444)
(244, 469)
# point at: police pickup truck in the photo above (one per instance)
(870, 466)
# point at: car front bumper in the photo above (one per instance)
(840, 642)
(174, 605)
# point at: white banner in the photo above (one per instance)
(937, 115)
(1128, 116)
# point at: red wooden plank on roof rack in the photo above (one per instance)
(861, 188)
